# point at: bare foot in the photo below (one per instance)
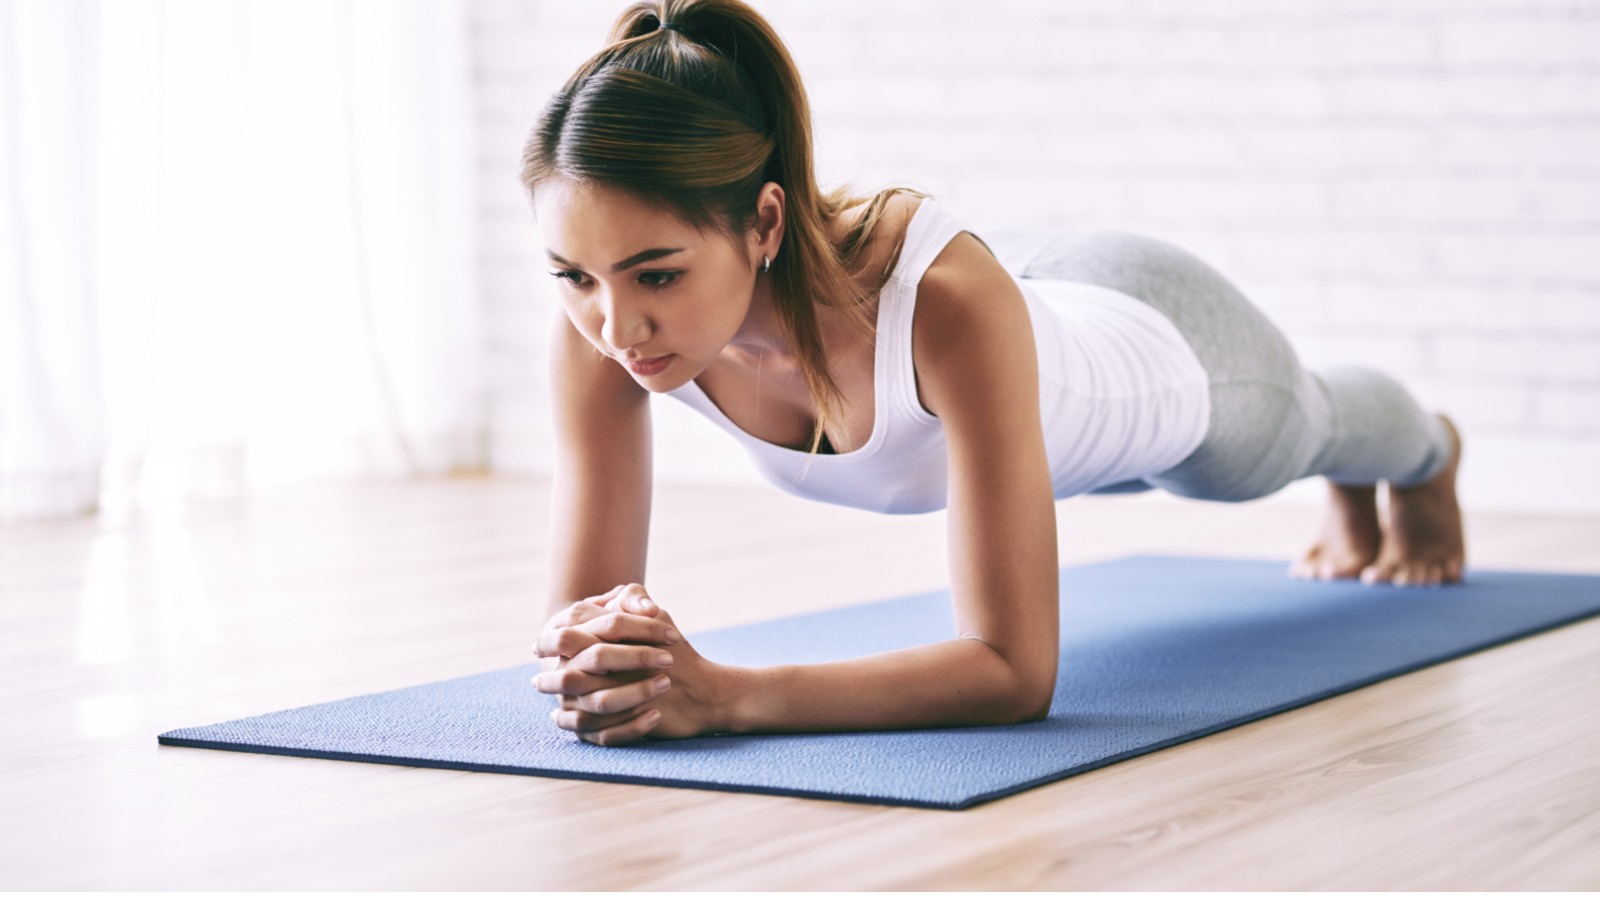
(1423, 541)
(1350, 536)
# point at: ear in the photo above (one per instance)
(771, 205)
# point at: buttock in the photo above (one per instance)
(1230, 336)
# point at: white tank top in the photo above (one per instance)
(1121, 394)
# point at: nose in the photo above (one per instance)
(625, 325)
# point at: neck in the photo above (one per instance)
(762, 332)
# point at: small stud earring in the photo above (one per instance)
(766, 263)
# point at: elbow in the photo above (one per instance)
(1033, 687)
(1036, 713)
(1019, 692)
(1032, 703)
(1014, 711)
(1028, 696)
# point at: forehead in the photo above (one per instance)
(597, 225)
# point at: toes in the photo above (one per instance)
(1386, 571)
(1431, 573)
(1416, 573)
(1375, 573)
(1403, 572)
(1306, 566)
(1412, 574)
(1316, 565)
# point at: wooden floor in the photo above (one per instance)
(1479, 773)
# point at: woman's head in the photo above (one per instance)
(695, 135)
(646, 288)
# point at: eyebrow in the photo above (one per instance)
(641, 257)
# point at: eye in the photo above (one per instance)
(667, 278)
(648, 279)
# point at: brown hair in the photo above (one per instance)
(695, 119)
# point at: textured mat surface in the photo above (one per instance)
(1155, 651)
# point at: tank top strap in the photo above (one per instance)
(930, 229)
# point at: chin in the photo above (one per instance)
(659, 386)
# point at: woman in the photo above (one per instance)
(871, 351)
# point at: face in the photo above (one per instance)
(646, 289)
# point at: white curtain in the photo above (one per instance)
(236, 247)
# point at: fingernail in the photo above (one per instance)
(664, 659)
(655, 716)
(646, 604)
(673, 635)
(661, 683)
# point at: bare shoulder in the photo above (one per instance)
(970, 325)
(966, 293)
(966, 279)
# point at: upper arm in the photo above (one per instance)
(600, 505)
(978, 371)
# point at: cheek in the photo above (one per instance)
(585, 322)
(582, 318)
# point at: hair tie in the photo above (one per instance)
(671, 27)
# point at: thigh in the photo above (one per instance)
(1261, 437)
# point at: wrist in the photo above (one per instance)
(741, 704)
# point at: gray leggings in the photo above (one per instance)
(1272, 421)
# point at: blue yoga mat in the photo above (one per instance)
(1155, 651)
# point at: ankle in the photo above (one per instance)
(1353, 496)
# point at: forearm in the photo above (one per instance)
(956, 682)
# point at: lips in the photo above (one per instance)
(647, 367)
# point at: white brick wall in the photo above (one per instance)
(1407, 183)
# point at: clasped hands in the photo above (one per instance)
(624, 672)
